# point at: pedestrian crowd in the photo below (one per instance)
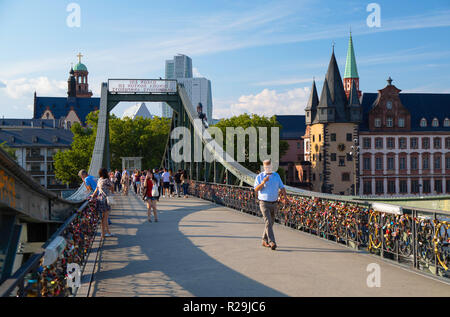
(149, 185)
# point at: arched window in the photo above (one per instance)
(435, 123)
(423, 122)
(446, 122)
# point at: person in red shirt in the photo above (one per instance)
(151, 194)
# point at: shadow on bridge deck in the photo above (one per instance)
(200, 249)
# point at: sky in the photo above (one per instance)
(261, 56)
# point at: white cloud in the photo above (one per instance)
(267, 102)
(25, 87)
(196, 73)
(2, 84)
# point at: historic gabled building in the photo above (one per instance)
(73, 108)
(333, 125)
(403, 139)
(405, 143)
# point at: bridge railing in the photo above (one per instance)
(35, 280)
(412, 237)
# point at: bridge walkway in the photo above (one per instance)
(201, 249)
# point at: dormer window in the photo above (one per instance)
(389, 122)
(377, 122)
(401, 122)
(446, 122)
(435, 123)
(389, 105)
(423, 123)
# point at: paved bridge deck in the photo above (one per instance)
(201, 249)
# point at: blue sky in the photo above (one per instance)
(260, 55)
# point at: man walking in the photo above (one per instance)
(267, 185)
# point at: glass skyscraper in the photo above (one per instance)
(198, 89)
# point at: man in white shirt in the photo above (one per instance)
(166, 182)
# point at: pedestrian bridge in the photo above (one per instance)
(210, 245)
(198, 248)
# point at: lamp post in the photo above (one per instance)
(355, 155)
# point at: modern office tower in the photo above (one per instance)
(178, 67)
(199, 91)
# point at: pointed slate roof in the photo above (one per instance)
(325, 96)
(351, 70)
(335, 84)
(313, 98)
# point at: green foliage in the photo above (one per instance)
(139, 137)
(253, 120)
(11, 152)
(68, 163)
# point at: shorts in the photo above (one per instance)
(166, 184)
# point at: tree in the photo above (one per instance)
(253, 120)
(11, 152)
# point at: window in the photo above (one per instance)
(379, 187)
(437, 143)
(390, 163)
(367, 164)
(402, 143)
(367, 144)
(391, 187)
(437, 162)
(389, 122)
(414, 186)
(345, 177)
(425, 143)
(446, 122)
(403, 186)
(333, 157)
(401, 122)
(402, 163)
(413, 163)
(367, 188)
(423, 123)
(378, 163)
(320, 137)
(377, 122)
(333, 136)
(425, 162)
(438, 186)
(314, 138)
(447, 162)
(298, 145)
(313, 177)
(378, 143)
(435, 123)
(413, 143)
(349, 157)
(389, 105)
(447, 143)
(320, 157)
(349, 137)
(426, 186)
(390, 143)
(341, 160)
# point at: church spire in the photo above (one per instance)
(351, 70)
(311, 106)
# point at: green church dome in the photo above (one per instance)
(80, 66)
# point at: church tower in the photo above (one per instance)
(80, 77)
(351, 71)
(332, 122)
